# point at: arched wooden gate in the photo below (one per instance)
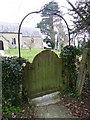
(44, 75)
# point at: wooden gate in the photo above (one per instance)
(43, 75)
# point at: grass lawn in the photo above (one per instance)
(25, 53)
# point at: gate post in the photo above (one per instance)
(82, 71)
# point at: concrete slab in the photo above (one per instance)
(53, 111)
(48, 106)
(47, 99)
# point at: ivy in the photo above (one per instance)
(69, 74)
(11, 81)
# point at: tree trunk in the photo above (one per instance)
(52, 32)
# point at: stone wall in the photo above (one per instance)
(26, 42)
(33, 42)
(7, 40)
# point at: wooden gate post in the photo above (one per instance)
(88, 62)
(82, 71)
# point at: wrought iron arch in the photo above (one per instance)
(55, 13)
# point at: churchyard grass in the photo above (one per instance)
(26, 53)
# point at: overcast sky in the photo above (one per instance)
(13, 11)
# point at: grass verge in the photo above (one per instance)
(26, 53)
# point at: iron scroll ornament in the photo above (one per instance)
(36, 12)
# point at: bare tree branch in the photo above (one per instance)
(86, 22)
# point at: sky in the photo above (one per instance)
(13, 11)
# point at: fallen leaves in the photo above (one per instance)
(78, 108)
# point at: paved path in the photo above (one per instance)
(49, 107)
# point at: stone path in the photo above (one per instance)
(49, 106)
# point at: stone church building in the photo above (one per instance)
(29, 37)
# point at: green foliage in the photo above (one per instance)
(8, 108)
(70, 51)
(46, 25)
(68, 55)
(11, 78)
(79, 98)
(50, 8)
(62, 46)
(26, 53)
(11, 84)
(72, 93)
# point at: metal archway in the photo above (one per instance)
(56, 13)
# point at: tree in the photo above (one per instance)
(47, 23)
(82, 21)
(81, 15)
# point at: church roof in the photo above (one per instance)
(9, 27)
(31, 32)
(13, 28)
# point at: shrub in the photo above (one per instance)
(11, 81)
(69, 74)
(52, 44)
(8, 108)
